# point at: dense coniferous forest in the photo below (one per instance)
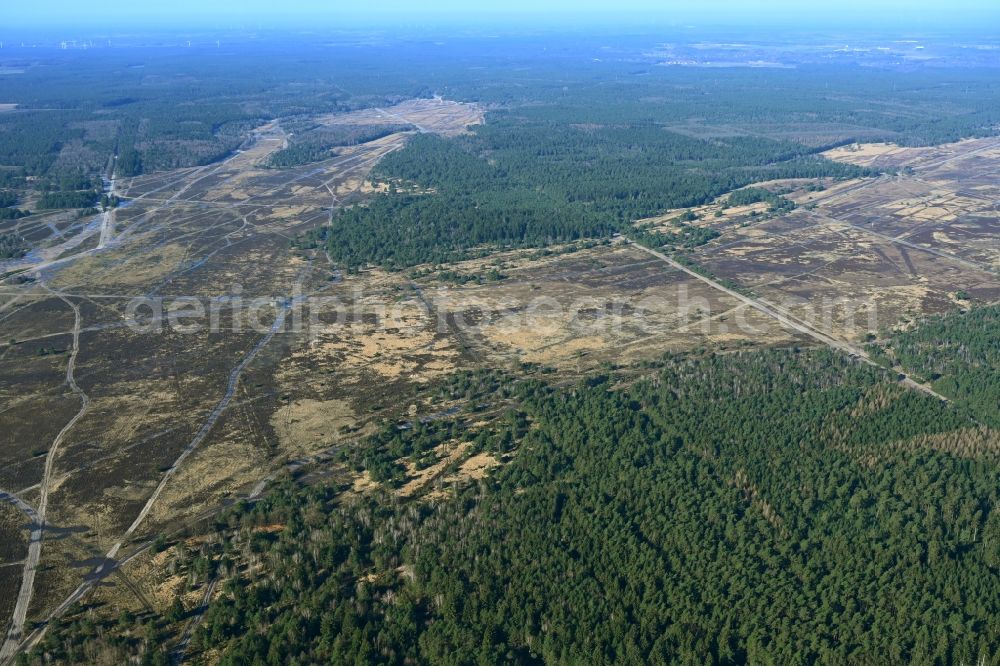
(960, 354)
(752, 195)
(767, 507)
(50, 200)
(719, 511)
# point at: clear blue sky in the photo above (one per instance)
(865, 14)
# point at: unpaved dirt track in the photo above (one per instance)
(24, 595)
(177, 657)
(21, 505)
(788, 320)
(319, 177)
(107, 222)
(213, 417)
(975, 265)
(109, 565)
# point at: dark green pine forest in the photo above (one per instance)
(959, 354)
(777, 507)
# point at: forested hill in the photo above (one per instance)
(772, 507)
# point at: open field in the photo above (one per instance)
(145, 425)
(427, 115)
(870, 255)
(946, 201)
(149, 429)
(610, 303)
(13, 534)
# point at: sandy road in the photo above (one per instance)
(32, 639)
(423, 130)
(905, 243)
(25, 593)
(209, 423)
(110, 563)
(16, 640)
(15, 633)
(23, 506)
(788, 320)
(107, 222)
(52, 256)
(179, 652)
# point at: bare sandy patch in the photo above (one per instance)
(418, 479)
(430, 115)
(862, 153)
(402, 342)
(477, 466)
(364, 483)
(221, 469)
(473, 468)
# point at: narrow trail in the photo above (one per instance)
(139, 442)
(31, 640)
(178, 654)
(213, 417)
(110, 563)
(16, 639)
(789, 320)
(107, 222)
(967, 263)
(26, 592)
(114, 565)
(13, 642)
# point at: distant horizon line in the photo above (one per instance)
(591, 22)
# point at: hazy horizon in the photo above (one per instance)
(871, 16)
